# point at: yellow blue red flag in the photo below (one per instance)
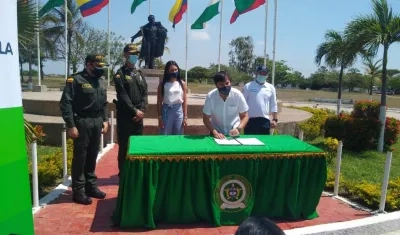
(177, 11)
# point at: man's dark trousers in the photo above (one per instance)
(258, 126)
(151, 47)
(86, 149)
(126, 127)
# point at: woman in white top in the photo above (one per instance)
(171, 101)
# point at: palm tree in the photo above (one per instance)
(368, 32)
(336, 54)
(55, 27)
(373, 70)
(27, 28)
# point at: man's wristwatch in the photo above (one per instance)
(239, 129)
(275, 120)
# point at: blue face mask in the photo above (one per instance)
(173, 75)
(133, 59)
(224, 90)
(261, 78)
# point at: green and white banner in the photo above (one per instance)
(15, 196)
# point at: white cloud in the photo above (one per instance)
(199, 35)
(260, 43)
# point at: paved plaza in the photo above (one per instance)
(64, 217)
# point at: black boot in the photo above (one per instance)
(96, 193)
(81, 198)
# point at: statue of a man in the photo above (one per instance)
(154, 35)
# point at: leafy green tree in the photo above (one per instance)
(367, 33)
(353, 79)
(372, 70)
(236, 75)
(394, 83)
(336, 53)
(27, 28)
(199, 73)
(55, 29)
(241, 54)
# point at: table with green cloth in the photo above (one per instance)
(188, 179)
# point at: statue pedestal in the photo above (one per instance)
(153, 78)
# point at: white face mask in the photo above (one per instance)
(261, 78)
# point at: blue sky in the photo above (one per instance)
(300, 29)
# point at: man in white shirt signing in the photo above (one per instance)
(225, 109)
(261, 98)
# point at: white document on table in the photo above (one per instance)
(226, 141)
(239, 141)
(250, 141)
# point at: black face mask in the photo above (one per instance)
(173, 75)
(98, 72)
(224, 90)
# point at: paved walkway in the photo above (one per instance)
(64, 217)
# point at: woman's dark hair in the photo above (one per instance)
(221, 76)
(258, 226)
(166, 77)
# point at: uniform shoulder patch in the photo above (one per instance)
(70, 80)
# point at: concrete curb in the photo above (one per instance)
(376, 224)
(61, 188)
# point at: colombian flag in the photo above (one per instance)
(177, 10)
(90, 7)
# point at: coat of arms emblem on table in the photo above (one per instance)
(233, 193)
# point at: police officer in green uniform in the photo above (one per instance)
(131, 88)
(83, 106)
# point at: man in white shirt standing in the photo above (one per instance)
(261, 98)
(225, 109)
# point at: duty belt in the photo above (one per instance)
(88, 115)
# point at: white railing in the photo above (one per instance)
(35, 180)
(338, 164)
(34, 157)
(385, 182)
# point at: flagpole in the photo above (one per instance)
(274, 46)
(187, 40)
(220, 35)
(38, 45)
(66, 38)
(265, 33)
(149, 7)
(108, 45)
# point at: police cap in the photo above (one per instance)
(96, 58)
(131, 48)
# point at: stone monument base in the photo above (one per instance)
(153, 78)
(41, 88)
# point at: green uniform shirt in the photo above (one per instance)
(83, 96)
(131, 88)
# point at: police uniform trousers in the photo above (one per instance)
(86, 149)
(126, 127)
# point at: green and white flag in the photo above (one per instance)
(208, 14)
(50, 5)
(135, 4)
(15, 196)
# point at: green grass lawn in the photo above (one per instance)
(366, 166)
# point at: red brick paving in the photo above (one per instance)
(64, 217)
